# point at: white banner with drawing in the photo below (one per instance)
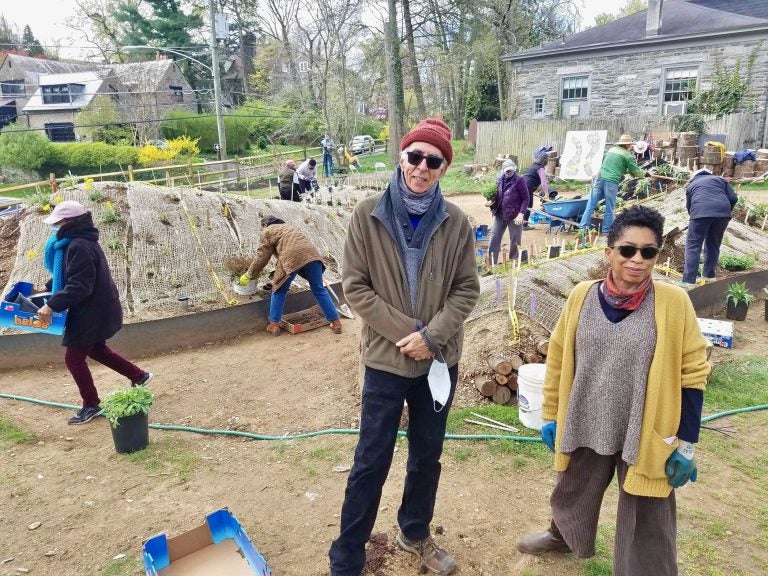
(583, 154)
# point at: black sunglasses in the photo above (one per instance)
(647, 252)
(433, 162)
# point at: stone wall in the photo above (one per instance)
(629, 82)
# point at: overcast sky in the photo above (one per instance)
(46, 18)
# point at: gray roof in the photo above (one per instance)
(91, 81)
(679, 18)
(144, 75)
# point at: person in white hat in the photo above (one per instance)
(509, 205)
(616, 162)
(82, 284)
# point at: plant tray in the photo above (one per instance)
(304, 320)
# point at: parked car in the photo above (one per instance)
(360, 144)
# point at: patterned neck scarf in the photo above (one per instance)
(622, 300)
(416, 204)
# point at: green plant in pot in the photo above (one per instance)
(127, 410)
(737, 302)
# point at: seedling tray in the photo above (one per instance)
(304, 320)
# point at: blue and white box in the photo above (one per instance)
(18, 311)
(719, 332)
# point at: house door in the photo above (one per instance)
(574, 99)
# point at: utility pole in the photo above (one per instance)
(217, 84)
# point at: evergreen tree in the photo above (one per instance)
(31, 44)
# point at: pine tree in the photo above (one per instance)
(31, 44)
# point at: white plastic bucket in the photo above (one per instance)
(530, 395)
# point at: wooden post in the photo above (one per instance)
(168, 178)
(746, 218)
(237, 169)
(189, 172)
(130, 172)
(52, 179)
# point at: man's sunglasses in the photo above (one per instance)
(433, 162)
(647, 252)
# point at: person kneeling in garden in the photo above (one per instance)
(295, 255)
(623, 393)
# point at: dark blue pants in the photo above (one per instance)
(328, 165)
(709, 233)
(383, 396)
(312, 272)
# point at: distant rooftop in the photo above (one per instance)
(679, 18)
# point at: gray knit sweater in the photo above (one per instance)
(605, 409)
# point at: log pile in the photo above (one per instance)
(500, 382)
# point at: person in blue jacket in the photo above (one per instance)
(709, 200)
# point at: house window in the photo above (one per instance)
(13, 87)
(680, 84)
(575, 88)
(60, 131)
(62, 93)
(538, 105)
(177, 92)
(303, 66)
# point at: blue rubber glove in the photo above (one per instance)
(680, 469)
(548, 433)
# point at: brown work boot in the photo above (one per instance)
(274, 328)
(541, 542)
(433, 558)
(336, 326)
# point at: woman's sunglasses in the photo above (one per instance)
(647, 252)
(433, 162)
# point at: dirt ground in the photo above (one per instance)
(95, 507)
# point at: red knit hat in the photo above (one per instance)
(432, 131)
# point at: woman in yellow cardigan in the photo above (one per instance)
(626, 371)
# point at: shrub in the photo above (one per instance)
(23, 150)
(736, 263)
(149, 154)
(203, 128)
(184, 146)
(90, 157)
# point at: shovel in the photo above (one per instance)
(343, 309)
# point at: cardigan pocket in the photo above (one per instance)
(653, 456)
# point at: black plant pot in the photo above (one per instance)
(736, 311)
(131, 434)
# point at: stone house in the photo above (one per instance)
(648, 63)
(46, 94)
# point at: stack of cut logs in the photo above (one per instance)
(761, 164)
(711, 160)
(687, 149)
(552, 161)
(501, 384)
(729, 165)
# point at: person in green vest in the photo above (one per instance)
(616, 162)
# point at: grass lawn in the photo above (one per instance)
(23, 192)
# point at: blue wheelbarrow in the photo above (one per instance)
(565, 212)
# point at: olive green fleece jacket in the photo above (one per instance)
(679, 361)
(376, 288)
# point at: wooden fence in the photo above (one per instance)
(522, 137)
(220, 172)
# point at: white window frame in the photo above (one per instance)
(678, 73)
(580, 82)
(543, 100)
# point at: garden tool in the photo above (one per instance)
(342, 309)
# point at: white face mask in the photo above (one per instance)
(439, 383)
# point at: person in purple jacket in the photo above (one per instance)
(507, 208)
(82, 284)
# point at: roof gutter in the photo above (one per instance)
(554, 53)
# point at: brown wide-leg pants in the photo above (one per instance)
(646, 528)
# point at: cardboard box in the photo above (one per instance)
(220, 547)
(16, 311)
(719, 332)
(304, 320)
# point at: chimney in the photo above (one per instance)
(653, 18)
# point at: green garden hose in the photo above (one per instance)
(342, 431)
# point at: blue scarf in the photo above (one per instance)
(54, 260)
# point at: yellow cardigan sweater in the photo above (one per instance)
(679, 361)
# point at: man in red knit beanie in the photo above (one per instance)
(410, 274)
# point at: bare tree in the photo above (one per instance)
(276, 22)
(95, 22)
